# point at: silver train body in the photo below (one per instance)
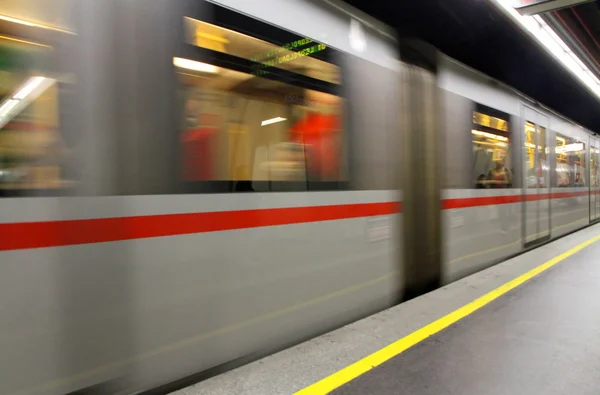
(121, 274)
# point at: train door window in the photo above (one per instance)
(543, 152)
(594, 179)
(594, 166)
(32, 149)
(491, 149)
(570, 162)
(259, 114)
(536, 168)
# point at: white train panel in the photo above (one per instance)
(457, 78)
(121, 304)
(328, 22)
(570, 210)
(72, 208)
(481, 231)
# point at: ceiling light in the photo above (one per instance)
(570, 148)
(545, 36)
(193, 65)
(7, 107)
(213, 37)
(33, 83)
(27, 93)
(489, 135)
(23, 41)
(32, 24)
(272, 120)
(15, 20)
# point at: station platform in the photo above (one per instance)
(529, 325)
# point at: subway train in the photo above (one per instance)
(188, 185)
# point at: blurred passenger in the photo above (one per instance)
(198, 141)
(500, 176)
(481, 184)
(320, 134)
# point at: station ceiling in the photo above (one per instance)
(477, 34)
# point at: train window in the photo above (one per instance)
(594, 166)
(490, 121)
(296, 56)
(536, 156)
(32, 151)
(252, 128)
(570, 162)
(491, 149)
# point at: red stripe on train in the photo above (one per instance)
(16, 236)
(562, 195)
(454, 203)
(23, 235)
(449, 204)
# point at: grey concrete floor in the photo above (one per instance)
(541, 338)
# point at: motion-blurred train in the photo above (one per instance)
(187, 185)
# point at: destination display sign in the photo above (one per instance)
(272, 61)
(283, 48)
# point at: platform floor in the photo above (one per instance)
(542, 337)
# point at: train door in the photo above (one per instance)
(536, 202)
(594, 180)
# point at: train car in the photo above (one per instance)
(187, 185)
(516, 174)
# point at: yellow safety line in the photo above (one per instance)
(351, 372)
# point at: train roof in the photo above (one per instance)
(463, 79)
